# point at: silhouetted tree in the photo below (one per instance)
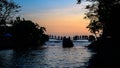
(61, 37)
(43, 38)
(106, 11)
(76, 37)
(58, 38)
(107, 52)
(91, 38)
(55, 37)
(83, 37)
(95, 27)
(80, 37)
(7, 9)
(28, 33)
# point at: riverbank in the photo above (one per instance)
(107, 54)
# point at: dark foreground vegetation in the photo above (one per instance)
(104, 17)
(18, 33)
(22, 34)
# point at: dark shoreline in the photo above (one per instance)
(107, 55)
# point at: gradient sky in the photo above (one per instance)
(60, 17)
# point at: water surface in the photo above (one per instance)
(49, 57)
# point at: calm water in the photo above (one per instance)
(49, 57)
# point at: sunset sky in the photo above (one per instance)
(60, 17)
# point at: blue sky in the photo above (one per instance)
(44, 5)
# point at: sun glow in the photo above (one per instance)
(58, 18)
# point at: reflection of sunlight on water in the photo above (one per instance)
(52, 56)
(76, 43)
(68, 57)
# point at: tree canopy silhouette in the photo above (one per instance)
(95, 27)
(106, 11)
(8, 9)
(21, 33)
(28, 32)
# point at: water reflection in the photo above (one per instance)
(50, 57)
(6, 57)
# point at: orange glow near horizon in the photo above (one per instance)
(64, 20)
(65, 25)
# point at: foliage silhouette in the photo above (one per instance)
(104, 10)
(91, 38)
(95, 27)
(23, 34)
(8, 9)
(28, 33)
(107, 51)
